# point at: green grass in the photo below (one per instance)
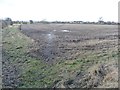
(35, 73)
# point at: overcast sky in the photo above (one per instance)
(63, 10)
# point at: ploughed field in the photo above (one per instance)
(70, 41)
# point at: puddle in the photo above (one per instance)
(65, 30)
(54, 30)
(50, 37)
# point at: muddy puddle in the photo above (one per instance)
(65, 30)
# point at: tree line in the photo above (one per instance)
(8, 21)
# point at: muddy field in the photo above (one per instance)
(60, 56)
(70, 41)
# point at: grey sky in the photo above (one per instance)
(63, 10)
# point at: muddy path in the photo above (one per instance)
(57, 41)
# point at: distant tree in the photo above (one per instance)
(16, 22)
(109, 22)
(24, 22)
(100, 21)
(44, 21)
(6, 22)
(9, 21)
(31, 21)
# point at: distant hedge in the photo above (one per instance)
(6, 22)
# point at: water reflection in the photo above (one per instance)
(49, 47)
(65, 30)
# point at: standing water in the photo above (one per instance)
(49, 48)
